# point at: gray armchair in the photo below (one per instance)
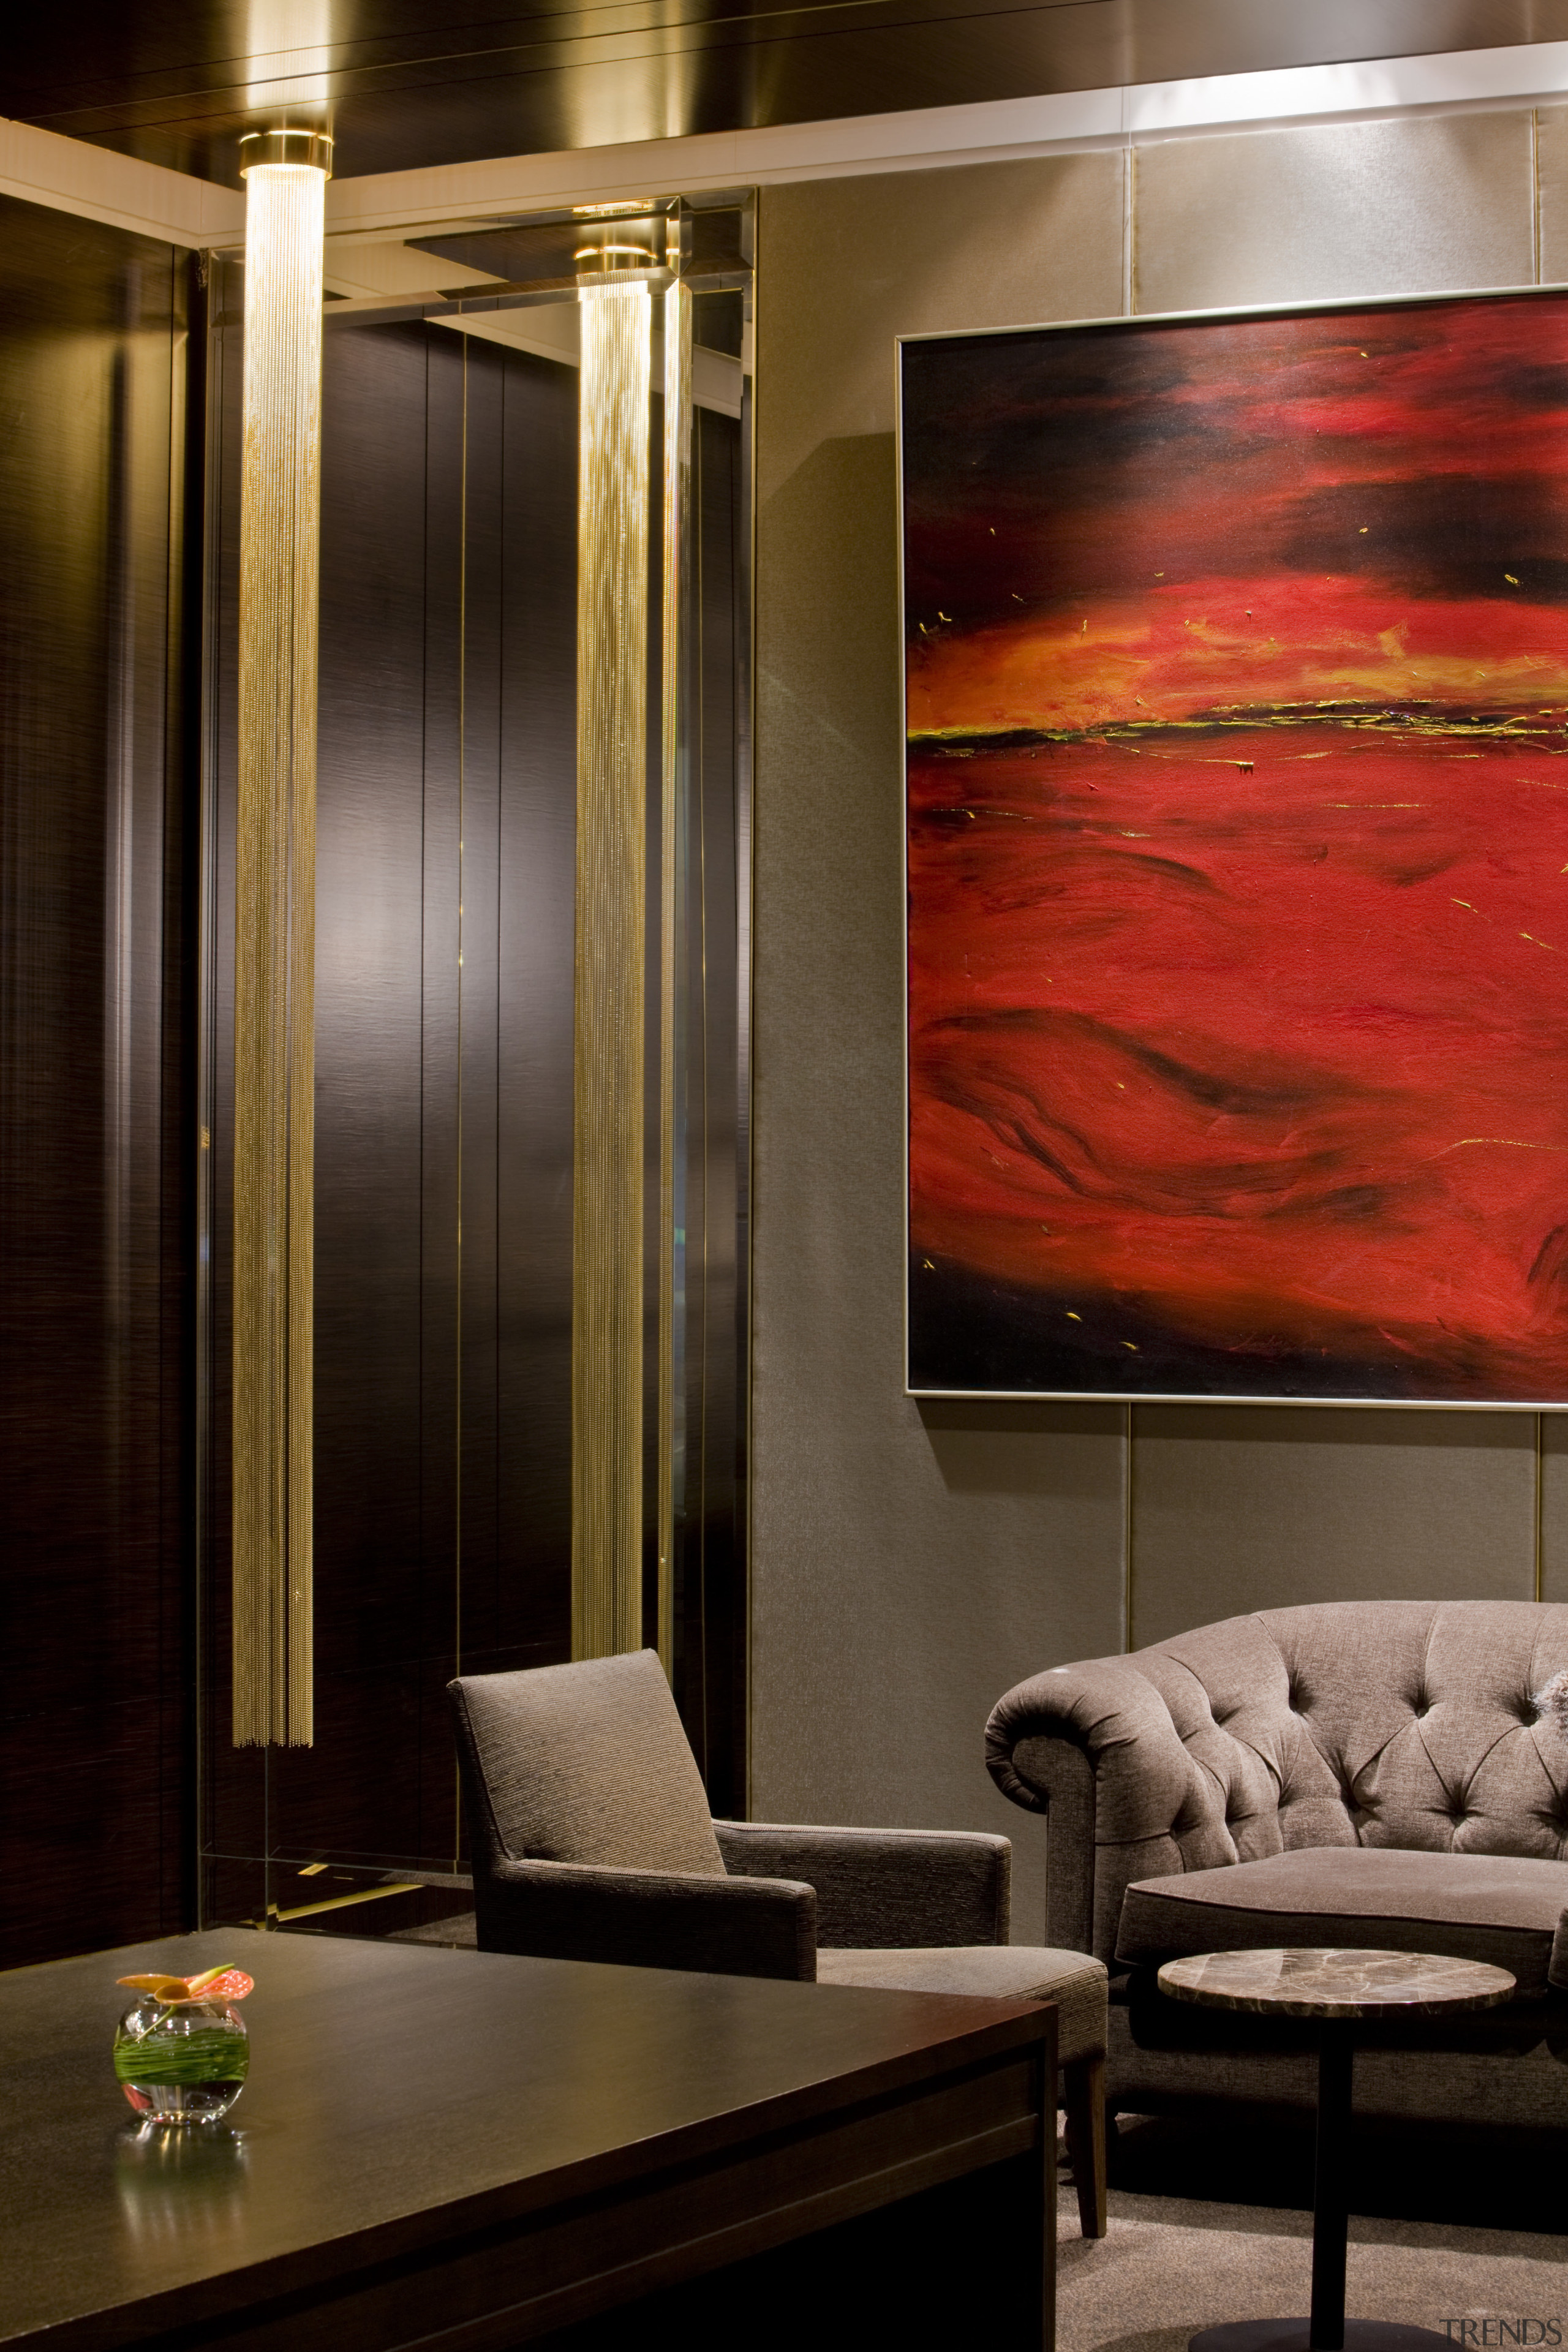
(592, 1841)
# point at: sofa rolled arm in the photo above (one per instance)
(883, 1890)
(1093, 1748)
(649, 1918)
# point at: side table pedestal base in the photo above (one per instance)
(1336, 1989)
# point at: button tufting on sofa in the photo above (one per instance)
(1319, 1702)
(1355, 1792)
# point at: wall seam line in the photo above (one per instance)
(1128, 306)
(1127, 1531)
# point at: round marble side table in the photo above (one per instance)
(1333, 1990)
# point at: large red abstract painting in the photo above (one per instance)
(1238, 804)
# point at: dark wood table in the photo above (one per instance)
(466, 2151)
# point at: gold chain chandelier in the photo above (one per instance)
(616, 273)
(286, 173)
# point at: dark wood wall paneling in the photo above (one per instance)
(97, 1135)
(536, 874)
(447, 785)
(447, 829)
(443, 1390)
(711, 1562)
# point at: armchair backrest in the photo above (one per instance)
(1382, 1722)
(585, 1763)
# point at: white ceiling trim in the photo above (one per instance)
(72, 176)
(946, 135)
(553, 332)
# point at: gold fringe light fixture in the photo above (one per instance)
(674, 814)
(609, 1035)
(286, 173)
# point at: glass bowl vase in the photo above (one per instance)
(183, 2062)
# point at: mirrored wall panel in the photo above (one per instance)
(450, 1069)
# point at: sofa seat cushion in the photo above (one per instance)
(1000, 1972)
(1474, 1906)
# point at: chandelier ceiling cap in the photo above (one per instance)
(303, 145)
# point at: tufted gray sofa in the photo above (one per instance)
(1371, 1773)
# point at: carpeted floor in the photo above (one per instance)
(1209, 2225)
(1173, 2263)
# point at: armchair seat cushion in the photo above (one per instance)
(1503, 1908)
(999, 1972)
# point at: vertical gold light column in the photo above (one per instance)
(609, 1036)
(672, 914)
(275, 856)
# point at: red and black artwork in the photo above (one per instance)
(1237, 724)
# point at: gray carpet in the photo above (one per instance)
(457, 1934)
(1174, 2264)
(1171, 2265)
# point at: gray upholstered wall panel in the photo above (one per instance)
(846, 265)
(1247, 1506)
(911, 1561)
(903, 1576)
(1551, 192)
(1335, 209)
(1552, 1565)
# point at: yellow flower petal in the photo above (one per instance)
(209, 1976)
(164, 1988)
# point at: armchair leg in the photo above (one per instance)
(1083, 2096)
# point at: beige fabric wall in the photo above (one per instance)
(911, 1561)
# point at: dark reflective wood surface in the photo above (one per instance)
(409, 86)
(447, 785)
(710, 1565)
(432, 2137)
(444, 1020)
(98, 1143)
